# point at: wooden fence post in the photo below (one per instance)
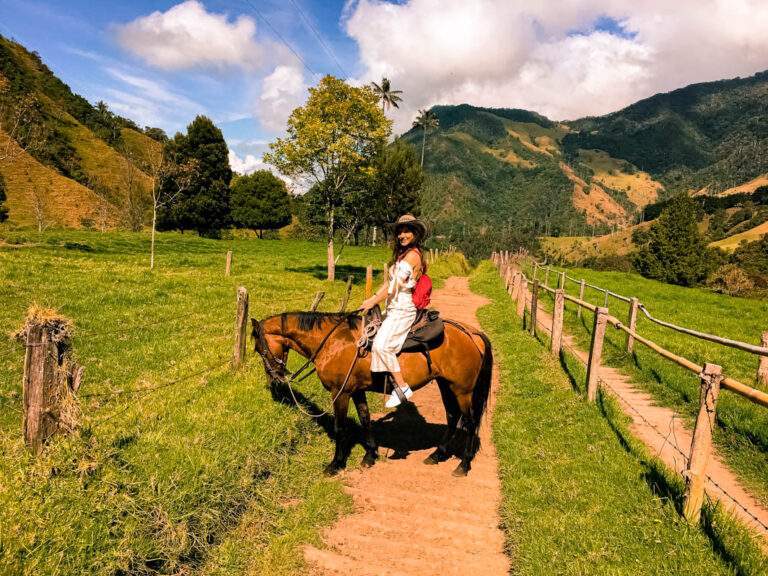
(605, 302)
(581, 297)
(632, 323)
(557, 322)
(701, 445)
(762, 366)
(508, 279)
(241, 325)
(345, 300)
(522, 296)
(515, 287)
(50, 378)
(368, 281)
(534, 307)
(535, 270)
(561, 284)
(316, 302)
(596, 352)
(546, 278)
(228, 267)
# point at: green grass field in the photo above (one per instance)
(742, 432)
(580, 495)
(174, 450)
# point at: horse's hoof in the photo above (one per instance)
(369, 460)
(332, 469)
(436, 457)
(461, 470)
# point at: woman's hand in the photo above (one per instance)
(367, 304)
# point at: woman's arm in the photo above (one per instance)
(379, 296)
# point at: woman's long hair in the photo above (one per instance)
(398, 251)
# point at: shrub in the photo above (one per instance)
(730, 279)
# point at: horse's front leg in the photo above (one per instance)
(369, 443)
(340, 407)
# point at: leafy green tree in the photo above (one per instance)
(3, 207)
(426, 120)
(260, 201)
(203, 205)
(388, 97)
(397, 183)
(157, 134)
(675, 251)
(331, 138)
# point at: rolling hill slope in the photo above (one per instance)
(84, 167)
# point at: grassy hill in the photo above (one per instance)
(712, 135)
(85, 165)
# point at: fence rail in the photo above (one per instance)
(710, 375)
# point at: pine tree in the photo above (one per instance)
(204, 204)
(675, 251)
(260, 202)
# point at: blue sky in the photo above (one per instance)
(163, 62)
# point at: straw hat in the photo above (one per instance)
(410, 221)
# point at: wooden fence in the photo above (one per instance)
(710, 375)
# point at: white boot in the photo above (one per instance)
(394, 398)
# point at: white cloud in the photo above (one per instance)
(188, 36)
(249, 163)
(282, 91)
(545, 54)
(148, 102)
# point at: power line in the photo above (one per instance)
(319, 37)
(279, 36)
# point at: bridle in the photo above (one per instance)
(279, 375)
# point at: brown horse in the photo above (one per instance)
(461, 365)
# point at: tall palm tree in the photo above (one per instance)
(426, 120)
(385, 93)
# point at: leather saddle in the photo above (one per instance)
(426, 333)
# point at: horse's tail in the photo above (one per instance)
(482, 388)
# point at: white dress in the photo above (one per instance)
(401, 312)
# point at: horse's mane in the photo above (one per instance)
(311, 320)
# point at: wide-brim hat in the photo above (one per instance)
(410, 221)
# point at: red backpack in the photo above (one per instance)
(422, 292)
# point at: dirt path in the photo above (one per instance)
(668, 437)
(411, 518)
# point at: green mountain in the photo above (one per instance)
(78, 164)
(510, 173)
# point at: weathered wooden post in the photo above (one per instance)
(561, 284)
(347, 293)
(368, 281)
(316, 302)
(582, 285)
(522, 296)
(228, 267)
(508, 278)
(701, 445)
(50, 379)
(241, 325)
(762, 366)
(596, 352)
(546, 278)
(557, 322)
(605, 302)
(632, 323)
(534, 306)
(535, 270)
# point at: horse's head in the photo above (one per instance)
(272, 349)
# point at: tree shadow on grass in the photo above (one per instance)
(343, 271)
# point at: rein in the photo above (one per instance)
(310, 360)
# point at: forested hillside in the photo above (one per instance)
(65, 161)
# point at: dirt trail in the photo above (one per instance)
(668, 437)
(411, 518)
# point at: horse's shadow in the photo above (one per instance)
(406, 430)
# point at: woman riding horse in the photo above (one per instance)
(404, 271)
